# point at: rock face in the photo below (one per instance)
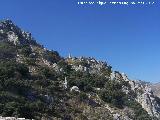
(145, 96)
(15, 34)
(144, 93)
(90, 65)
(148, 101)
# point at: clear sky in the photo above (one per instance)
(128, 38)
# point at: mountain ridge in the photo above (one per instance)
(65, 88)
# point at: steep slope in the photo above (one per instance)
(37, 83)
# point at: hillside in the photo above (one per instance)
(37, 83)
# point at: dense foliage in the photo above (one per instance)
(22, 96)
(7, 50)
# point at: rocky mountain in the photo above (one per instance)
(37, 83)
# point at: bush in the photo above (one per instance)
(47, 73)
(7, 50)
(10, 69)
(83, 96)
(26, 50)
(113, 94)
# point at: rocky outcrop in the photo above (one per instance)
(90, 65)
(148, 101)
(15, 34)
(144, 94)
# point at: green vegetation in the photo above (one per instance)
(25, 50)
(112, 93)
(10, 69)
(23, 97)
(85, 81)
(7, 50)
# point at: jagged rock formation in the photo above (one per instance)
(39, 83)
(148, 102)
(145, 96)
(15, 34)
(90, 65)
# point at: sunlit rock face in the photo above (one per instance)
(89, 64)
(145, 95)
(14, 34)
(148, 101)
(146, 98)
(12, 37)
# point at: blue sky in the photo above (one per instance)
(128, 38)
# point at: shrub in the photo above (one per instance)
(7, 50)
(82, 96)
(26, 50)
(113, 94)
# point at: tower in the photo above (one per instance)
(69, 56)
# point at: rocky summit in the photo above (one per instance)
(37, 83)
